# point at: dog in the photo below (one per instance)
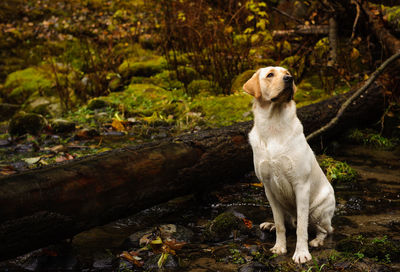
(295, 185)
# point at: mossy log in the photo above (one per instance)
(42, 206)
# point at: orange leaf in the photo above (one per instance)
(257, 185)
(173, 244)
(248, 223)
(118, 125)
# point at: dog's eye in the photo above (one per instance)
(270, 75)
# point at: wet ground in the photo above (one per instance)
(183, 235)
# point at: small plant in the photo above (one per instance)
(370, 138)
(236, 256)
(337, 170)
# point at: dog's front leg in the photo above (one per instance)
(279, 220)
(302, 191)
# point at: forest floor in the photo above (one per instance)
(219, 231)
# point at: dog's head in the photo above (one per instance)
(271, 83)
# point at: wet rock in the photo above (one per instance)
(62, 126)
(7, 110)
(354, 204)
(254, 267)
(24, 123)
(170, 264)
(103, 263)
(133, 241)
(381, 248)
(97, 103)
(124, 265)
(52, 263)
(222, 227)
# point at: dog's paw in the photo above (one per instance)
(316, 242)
(267, 226)
(301, 256)
(278, 249)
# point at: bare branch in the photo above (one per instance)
(346, 104)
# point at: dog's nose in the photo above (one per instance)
(288, 79)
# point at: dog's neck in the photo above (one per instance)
(275, 120)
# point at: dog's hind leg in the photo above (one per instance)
(323, 229)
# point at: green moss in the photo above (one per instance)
(370, 138)
(131, 67)
(187, 74)
(337, 171)
(200, 86)
(241, 79)
(21, 84)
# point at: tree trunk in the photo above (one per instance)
(43, 206)
(389, 42)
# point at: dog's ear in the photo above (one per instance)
(252, 86)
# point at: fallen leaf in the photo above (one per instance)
(173, 244)
(32, 160)
(7, 170)
(157, 241)
(118, 125)
(248, 223)
(257, 185)
(162, 259)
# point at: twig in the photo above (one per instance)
(354, 2)
(287, 15)
(346, 104)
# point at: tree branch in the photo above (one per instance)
(346, 104)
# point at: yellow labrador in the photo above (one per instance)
(296, 187)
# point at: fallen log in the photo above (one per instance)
(302, 30)
(43, 206)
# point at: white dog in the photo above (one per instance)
(295, 185)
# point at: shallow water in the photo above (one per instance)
(369, 207)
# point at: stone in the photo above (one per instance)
(254, 267)
(62, 126)
(23, 123)
(7, 111)
(222, 227)
(97, 103)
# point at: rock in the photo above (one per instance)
(133, 240)
(124, 265)
(62, 126)
(7, 110)
(222, 226)
(103, 263)
(380, 248)
(254, 267)
(49, 105)
(97, 103)
(170, 264)
(87, 133)
(27, 123)
(131, 68)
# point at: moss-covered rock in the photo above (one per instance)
(131, 67)
(44, 105)
(62, 126)
(241, 79)
(97, 103)
(23, 123)
(22, 84)
(200, 86)
(383, 248)
(221, 227)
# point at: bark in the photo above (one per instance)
(43, 206)
(333, 40)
